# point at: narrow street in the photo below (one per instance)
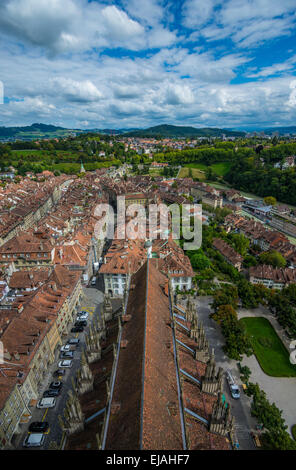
(92, 302)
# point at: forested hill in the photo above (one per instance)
(35, 131)
(169, 131)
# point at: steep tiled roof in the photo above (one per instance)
(147, 391)
(227, 251)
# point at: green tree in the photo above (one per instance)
(274, 258)
(270, 201)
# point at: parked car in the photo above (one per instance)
(83, 315)
(59, 372)
(51, 393)
(234, 389)
(39, 426)
(65, 363)
(34, 440)
(93, 281)
(77, 329)
(65, 348)
(80, 323)
(67, 354)
(56, 385)
(74, 341)
(82, 318)
(46, 402)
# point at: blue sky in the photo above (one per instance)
(137, 63)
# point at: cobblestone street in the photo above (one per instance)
(91, 302)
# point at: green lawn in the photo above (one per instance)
(219, 168)
(268, 348)
(184, 173)
(199, 166)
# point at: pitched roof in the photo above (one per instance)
(146, 390)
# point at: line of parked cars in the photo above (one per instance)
(38, 429)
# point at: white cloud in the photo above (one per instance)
(179, 94)
(274, 69)
(247, 22)
(197, 12)
(118, 25)
(63, 76)
(150, 11)
(83, 91)
(69, 25)
(292, 97)
(126, 91)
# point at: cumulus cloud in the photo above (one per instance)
(292, 97)
(118, 25)
(126, 91)
(69, 25)
(83, 91)
(179, 94)
(130, 64)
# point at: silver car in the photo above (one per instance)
(34, 440)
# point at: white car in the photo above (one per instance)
(65, 348)
(82, 317)
(48, 402)
(65, 363)
(234, 389)
(34, 440)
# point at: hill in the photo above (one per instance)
(35, 131)
(281, 130)
(169, 131)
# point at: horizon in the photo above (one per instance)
(242, 128)
(85, 64)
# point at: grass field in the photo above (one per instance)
(268, 348)
(219, 168)
(184, 173)
(198, 169)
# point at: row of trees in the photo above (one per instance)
(224, 304)
(275, 435)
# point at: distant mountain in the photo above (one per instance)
(112, 131)
(281, 130)
(39, 131)
(35, 131)
(169, 131)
